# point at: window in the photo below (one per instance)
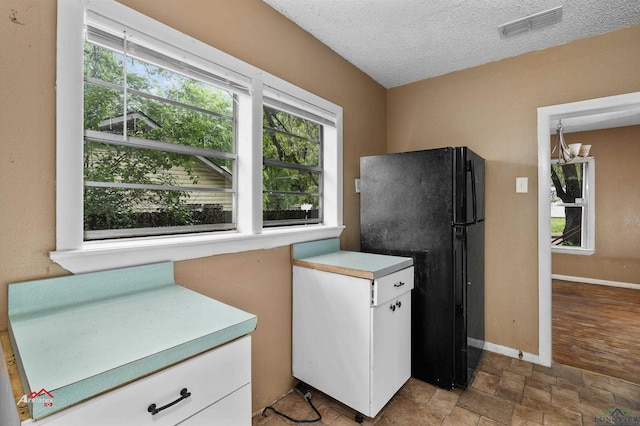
(168, 149)
(292, 169)
(159, 144)
(573, 207)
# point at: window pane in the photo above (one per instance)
(156, 120)
(290, 149)
(567, 212)
(202, 200)
(566, 230)
(290, 194)
(118, 208)
(567, 182)
(103, 109)
(103, 64)
(176, 87)
(290, 139)
(131, 188)
(557, 224)
(188, 112)
(291, 146)
(290, 180)
(291, 208)
(118, 163)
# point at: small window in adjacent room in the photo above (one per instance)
(573, 206)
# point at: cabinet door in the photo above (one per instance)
(384, 353)
(391, 361)
(403, 340)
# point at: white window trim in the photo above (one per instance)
(78, 256)
(589, 215)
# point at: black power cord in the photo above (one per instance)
(305, 394)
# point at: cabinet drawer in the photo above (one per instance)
(392, 285)
(209, 377)
(232, 410)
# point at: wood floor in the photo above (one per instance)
(597, 328)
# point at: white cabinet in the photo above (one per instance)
(219, 383)
(352, 335)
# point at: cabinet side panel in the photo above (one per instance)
(331, 345)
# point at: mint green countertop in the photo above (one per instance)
(81, 335)
(326, 255)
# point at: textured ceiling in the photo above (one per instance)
(401, 41)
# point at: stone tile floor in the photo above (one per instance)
(505, 391)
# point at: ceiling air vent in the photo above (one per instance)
(531, 22)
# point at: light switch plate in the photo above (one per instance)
(522, 184)
(357, 186)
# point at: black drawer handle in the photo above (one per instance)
(184, 394)
(398, 284)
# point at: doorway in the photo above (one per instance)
(600, 113)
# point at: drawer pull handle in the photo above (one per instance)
(184, 394)
(398, 284)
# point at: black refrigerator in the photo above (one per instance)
(429, 205)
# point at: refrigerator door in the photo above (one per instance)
(460, 291)
(475, 296)
(468, 253)
(406, 200)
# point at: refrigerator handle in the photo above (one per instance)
(474, 198)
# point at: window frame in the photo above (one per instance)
(77, 255)
(588, 210)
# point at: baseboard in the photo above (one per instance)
(475, 343)
(584, 280)
(513, 353)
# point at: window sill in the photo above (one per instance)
(102, 255)
(577, 250)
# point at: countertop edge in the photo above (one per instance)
(333, 268)
(334, 262)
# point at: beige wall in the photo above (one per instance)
(617, 255)
(492, 109)
(258, 281)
